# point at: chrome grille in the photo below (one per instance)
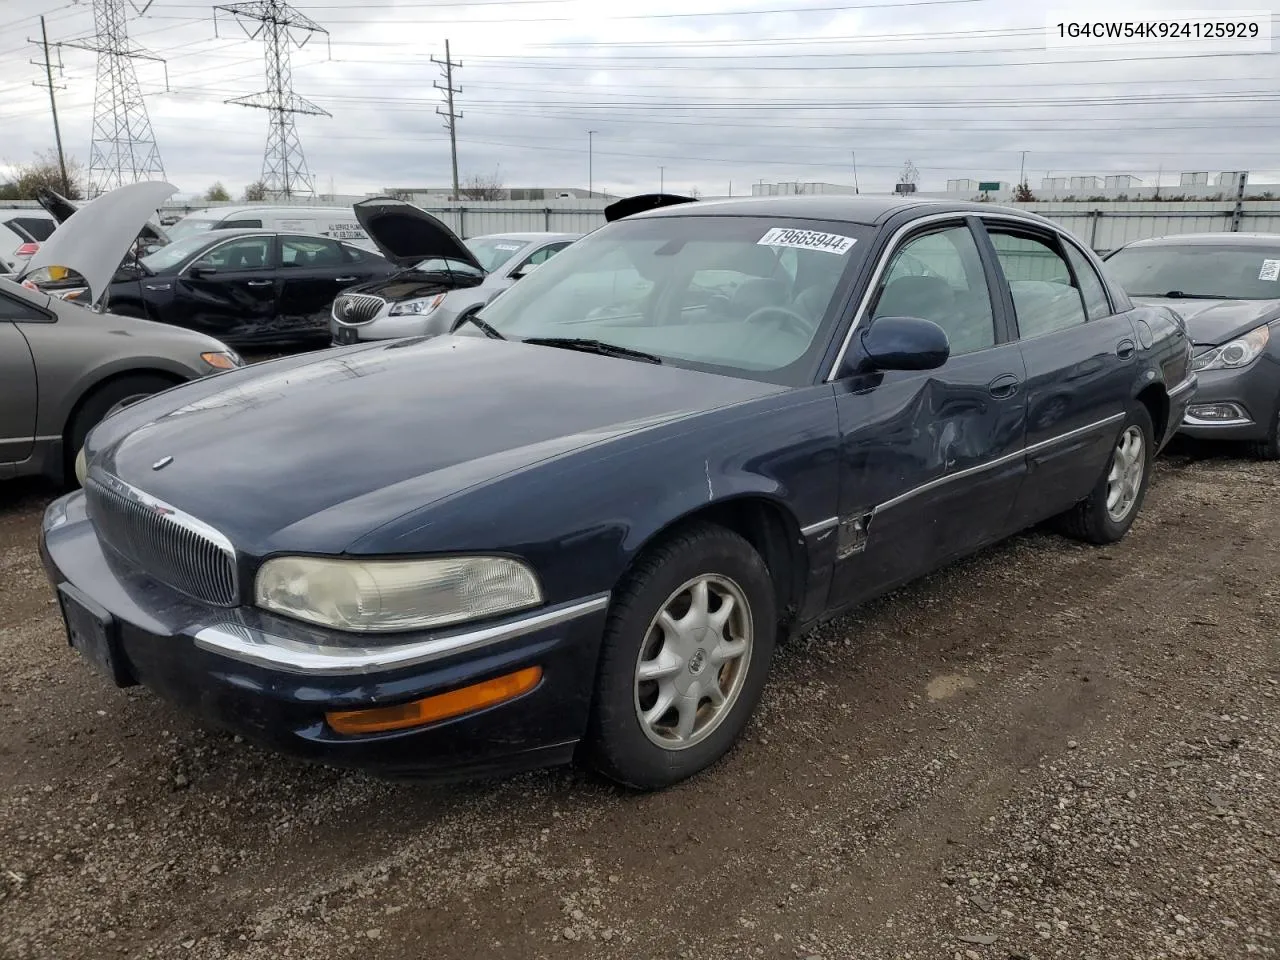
(164, 542)
(356, 308)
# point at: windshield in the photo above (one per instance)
(172, 254)
(189, 226)
(1198, 270)
(747, 296)
(493, 252)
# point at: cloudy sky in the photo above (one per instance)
(697, 93)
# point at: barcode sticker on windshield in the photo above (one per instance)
(1270, 270)
(507, 246)
(807, 240)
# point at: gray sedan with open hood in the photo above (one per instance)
(66, 366)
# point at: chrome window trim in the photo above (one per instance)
(998, 462)
(262, 649)
(820, 527)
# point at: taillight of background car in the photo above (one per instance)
(27, 250)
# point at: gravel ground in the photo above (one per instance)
(1046, 751)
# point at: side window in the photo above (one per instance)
(246, 253)
(1091, 288)
(17, 310)
(309, 252)
(356, 255)
(939, 277)
(541, 255)
(239, 225)
(1044, 299)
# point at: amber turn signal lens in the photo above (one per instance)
(219, 361)
(440, 707)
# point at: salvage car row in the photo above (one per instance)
(574, 524)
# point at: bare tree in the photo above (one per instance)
(481, 186)
(217, 192)
(255, 192)
(44, 171)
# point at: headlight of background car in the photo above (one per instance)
(1240, 352)
(82, 467)
(384, 595)
(416, 308)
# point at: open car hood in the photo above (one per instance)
(96, 241)
(61, 209)
(407, 235)
(641, 202)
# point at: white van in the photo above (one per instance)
(337, 222)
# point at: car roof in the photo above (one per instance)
(221, 213)
(868, 210)
(1209, 240)
(528, 236)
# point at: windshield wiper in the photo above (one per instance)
(487, 330)
(1180, 295)
(593, 346)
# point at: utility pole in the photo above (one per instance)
(591, 163)
(855, 170)
(1022, 172)
(662, 179)
(53, 104)
(451, 116)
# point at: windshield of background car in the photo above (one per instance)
(189, 226)
(172, 254)
(744, 296)
(493, 252)
(1198, 270)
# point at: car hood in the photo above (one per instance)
(413, 284)
(96, 240)
(312, 454)
(61, 209)
(1214, 322)
(406, 235)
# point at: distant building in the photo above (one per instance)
(437, 195)
(1083, 183)
(790, 188)
(1231, 178)
(1121, 182)
(1053, 183)
(962, 186)
(1200, 179)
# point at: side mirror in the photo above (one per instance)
(202, 268)
(904, 343)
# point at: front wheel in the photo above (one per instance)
(686, 652)
(1106, 515)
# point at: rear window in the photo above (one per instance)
(38, 229)
(240, 225)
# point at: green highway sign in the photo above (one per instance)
(988, 186)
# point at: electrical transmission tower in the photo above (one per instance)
(451, 116)
(124, 147)
(284, 166)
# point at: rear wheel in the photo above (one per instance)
(686, 651)
(101, 402)
(1106, 515)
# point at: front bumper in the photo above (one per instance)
(1253, 390)
(272, 680)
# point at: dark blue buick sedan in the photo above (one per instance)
(576, 526)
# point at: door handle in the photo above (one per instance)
(1004, 386)
(260, 283)
(345, 279)
(1125, 349)
(158, 286)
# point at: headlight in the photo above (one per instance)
(416, 308)
(222, 359)
(384, 595)
(1240, 352)
(82, 467)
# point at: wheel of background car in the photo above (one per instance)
(1106, 515)
(685, 655)
(95, 406)
(782, 318)
(1269, 449)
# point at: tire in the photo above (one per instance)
(1268, 449)
(103, 400)
(619, 744)
(1091, 520)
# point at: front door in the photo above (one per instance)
(932, 460)
(230, 291)
(17, 381)
(1080, 358)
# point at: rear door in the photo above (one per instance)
(312, 271)
(931, 460)
(229, 291)
(1080, 357)
(18, 397)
